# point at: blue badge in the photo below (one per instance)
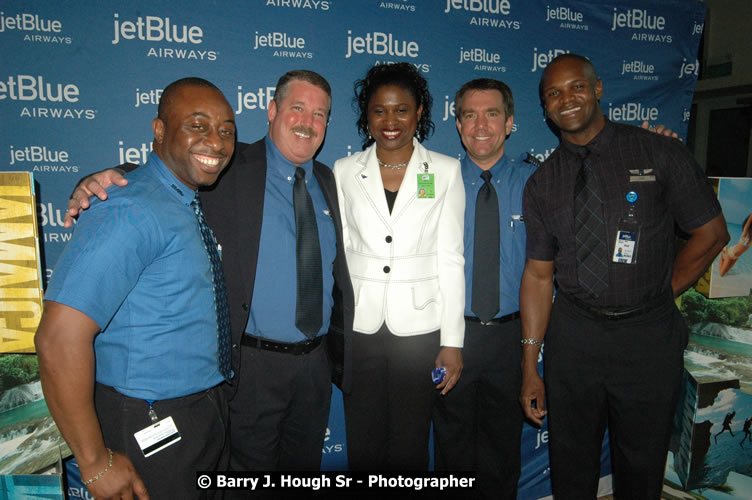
(631, 197)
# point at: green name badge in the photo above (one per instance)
(426, 187)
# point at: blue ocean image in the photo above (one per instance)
(728, 452)
(720, 352)
(29, 439)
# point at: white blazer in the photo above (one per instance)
(407, 267)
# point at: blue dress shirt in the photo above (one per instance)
(508, 177)
(137, 266)
(273, 306)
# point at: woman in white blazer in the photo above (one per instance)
(402, 208)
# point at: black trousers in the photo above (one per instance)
(279, 414)
(478, 424)
(625, 374)
(388, 411)
(201, 420)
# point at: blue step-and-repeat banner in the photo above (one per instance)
(80, 82)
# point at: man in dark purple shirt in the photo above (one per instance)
(614, 353)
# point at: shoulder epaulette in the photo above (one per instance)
(533, 160)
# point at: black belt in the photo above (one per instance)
(297, 348)
(494, 321)
(616, 314)
(187, 397)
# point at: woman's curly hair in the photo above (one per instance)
(403, 75)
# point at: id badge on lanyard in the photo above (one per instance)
(158, 436)
(627, 235)
(426, 185)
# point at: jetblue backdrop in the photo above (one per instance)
(80, 81)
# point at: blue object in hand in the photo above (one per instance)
(437, 374)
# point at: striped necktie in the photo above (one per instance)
(224, 337)
(590, 230)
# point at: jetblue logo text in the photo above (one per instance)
(34, 28)
(155, 29)
(147, 97)
(541, 439)
(566, 17)
(28, 88)
(631, 112)
(637, 19)
(484, 6)
(278, 40)
(281, 42)
(639, 69)
(163, 30)
(687, 69)
(259, 99)
(479, 55)
(563, 14)
(542, 59)
(50, 216)
(484, 60)
(482, 10)
(29, 22)
(641, 19)
(32, 88)
(378, 43)
(137, 155)
(636, 67)
(42, 159)
(36, 153)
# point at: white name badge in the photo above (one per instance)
(157, 436)
(624, 248)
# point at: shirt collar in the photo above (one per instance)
(177, 189)
(278, 163)
(598, 144)
(473, 171)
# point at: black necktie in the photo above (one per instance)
(224, 337)
(486, 252)
(590, 230)
(309, 303)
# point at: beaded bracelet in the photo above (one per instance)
(532, 342)
(98, 476)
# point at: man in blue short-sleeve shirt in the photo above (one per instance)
(129, 334)
(280, 397)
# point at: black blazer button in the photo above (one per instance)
(388, 239)
(245, 307)
(386, 269)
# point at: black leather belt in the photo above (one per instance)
(495, 321)
(297, 348)
(616, 314)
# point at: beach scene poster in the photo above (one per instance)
(731, 272)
